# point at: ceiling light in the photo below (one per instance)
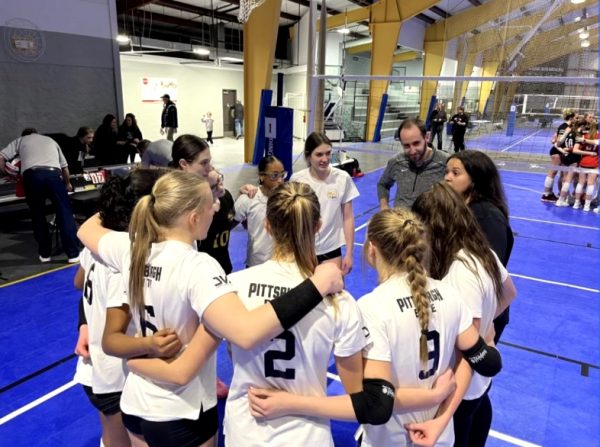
(231, 59)
(343, 31)
(122, 38)
(584, 34)
(585, 43)
(201, 51)
(576, 2)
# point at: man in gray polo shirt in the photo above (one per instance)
(45, 176)
(414, 170)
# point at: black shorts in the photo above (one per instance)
(570, 159)
(337, 253)
(180, 433)
(106, 404)
(554, 151)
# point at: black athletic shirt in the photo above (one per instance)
(216, 243)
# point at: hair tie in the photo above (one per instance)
(424, 332)
(406, 223)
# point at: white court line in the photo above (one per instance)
(512, 439)
(360, 227)
(556, 283)
(521, 140)
(523, 188)
(334, 376)
(37, 402)
(359, 244)
(585, 227)
(493, 433)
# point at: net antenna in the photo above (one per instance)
(246, 8)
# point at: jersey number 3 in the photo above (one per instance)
(433, 338)
(287, 354)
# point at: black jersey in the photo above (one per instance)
(216, 243)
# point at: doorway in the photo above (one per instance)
(229, 98)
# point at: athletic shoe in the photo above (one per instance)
(561, 203)
(577, 205)
(45, 260)
(597, 210)
(549, 197)
(74, 260)
(222, 389)
(587, 208)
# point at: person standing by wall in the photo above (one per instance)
(460, 121)
(45, 176)
(238, 119)
(438, 118)
(168, 119)
(208, 122)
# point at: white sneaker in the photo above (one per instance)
(74, 260)
(45, 260)
(586, 208)
(597, 210)
(561, 203)
(577, 205)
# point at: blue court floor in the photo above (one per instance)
(546, 395)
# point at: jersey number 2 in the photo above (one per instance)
(287, 354)
(434, 337)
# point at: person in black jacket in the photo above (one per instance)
(438, 119)
(128, 136)
(475, 176)
(460, 121)
(105, 141)
(168, 119)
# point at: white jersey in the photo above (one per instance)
(296, 360)
(389, 314)
(107, 373)
(179, 284)
(479, 294)
(254, 211)
(337, 189)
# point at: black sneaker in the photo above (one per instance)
(549, 197)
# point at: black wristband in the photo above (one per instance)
(82, 319)
(295, 304)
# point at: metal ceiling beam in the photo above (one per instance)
(501, 35)
(282, 14)
(124, 6)
(428, 20)
(440, 12)
(570, 46)
(167, 19)
(306, 4)
(471, 18)
(204, 12)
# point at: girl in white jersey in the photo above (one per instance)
(171, 285)
(414, 324)
(462, 257)
(297, 359)
(101, 375)
(252, 211)
(335, 190)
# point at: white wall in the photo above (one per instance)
(412, 34)
(199, 90)
(82, 17)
